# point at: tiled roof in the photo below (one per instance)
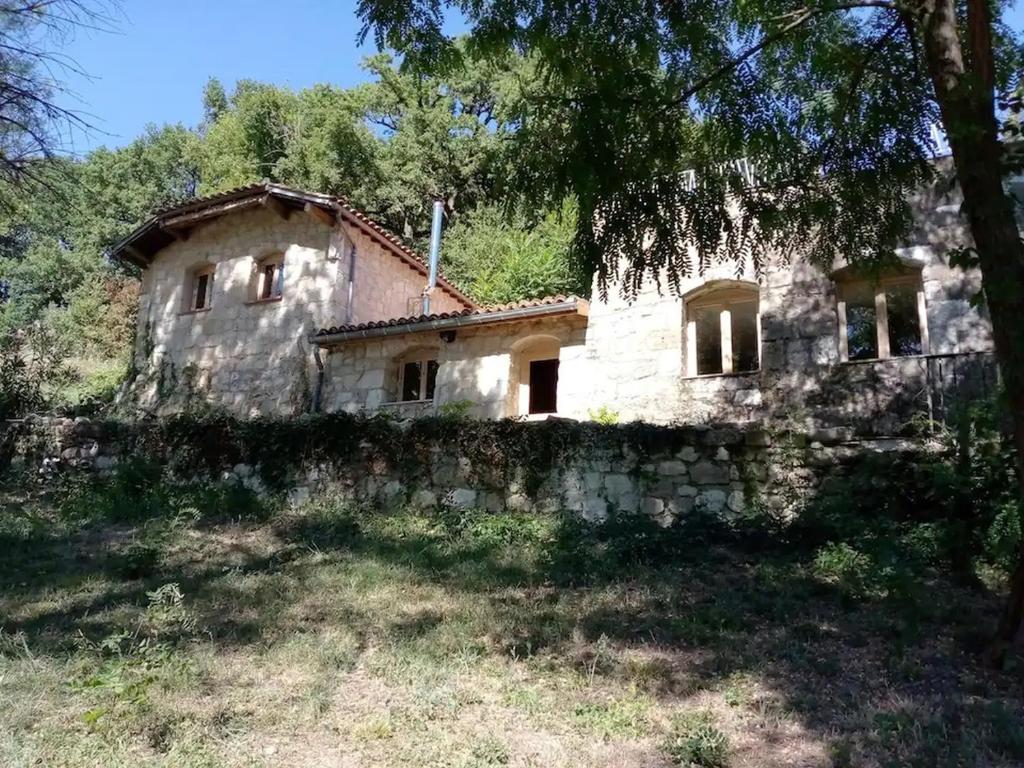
(153, 227)
(482, 315)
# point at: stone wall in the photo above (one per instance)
(478, 366)
(666, 473)
(248, 356)
(630, 356)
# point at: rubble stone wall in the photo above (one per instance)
(665, 473)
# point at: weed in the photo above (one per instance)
(617, 718)
(695, 742)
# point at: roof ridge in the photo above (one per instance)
(340, 202)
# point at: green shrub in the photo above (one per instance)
(138, 491)
(603, 415)
(96, 385)
(846, 567)
(695, 742)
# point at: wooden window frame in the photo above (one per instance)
(722, 299)
(881, 315)
(542, 348)
(424, 357)
(259, 288)
(194, 276)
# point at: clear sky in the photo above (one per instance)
(153, 68)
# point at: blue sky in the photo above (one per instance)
(153, 68)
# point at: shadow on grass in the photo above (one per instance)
(891, 664)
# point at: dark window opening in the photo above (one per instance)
(411, 381)
(431, 379)
(202, 286)
(419, 380)
(709, 340)
(543, 386)
(270, 285)
(904, 325)
(861, 327)
(744, 337)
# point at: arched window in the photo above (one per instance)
(199, 288)
(535, 375)
(723, 329)
(417, 375)
(881, 317)
(268, 278)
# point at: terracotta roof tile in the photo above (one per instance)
(340, 204)
(414, 320)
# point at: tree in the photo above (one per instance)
(499, 258)
(833, 101)
(33, 123)
(442, 137)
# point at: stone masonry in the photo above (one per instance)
(669, 474)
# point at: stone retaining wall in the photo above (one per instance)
(667, 473)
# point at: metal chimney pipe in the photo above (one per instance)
(435, 253)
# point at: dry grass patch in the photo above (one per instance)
(324, 638)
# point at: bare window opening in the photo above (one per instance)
(882, 319)
(418, 377)
(201, 289)
(543, 386)
(723, 331)
(904, 323)
(709, 340)
(269, 279)
(861, 325)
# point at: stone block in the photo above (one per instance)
(423, 500)
(706, 473)
(462, 498)
(688, 454)
(737, 502)
(711, 501)
(673, 468)
(519, 503)
(392, 494)
(618, 485)
(595, 510)
(686, 492)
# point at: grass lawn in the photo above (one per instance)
(219, 636)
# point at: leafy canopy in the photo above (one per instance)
(831, 102)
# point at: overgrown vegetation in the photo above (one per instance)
(194, 624)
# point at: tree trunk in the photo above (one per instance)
(966, 100)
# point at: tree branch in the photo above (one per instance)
(797, 19)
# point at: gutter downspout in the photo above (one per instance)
(435, 254)
(351, 283)
(319, 387)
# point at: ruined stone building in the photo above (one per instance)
(269, 300)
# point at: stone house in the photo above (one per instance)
(269, 300)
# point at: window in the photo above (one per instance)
(882, 319)
(723, 331)
(417, 379)
(200, 291)
(533, 377)
(269, 278)
(543, 386)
